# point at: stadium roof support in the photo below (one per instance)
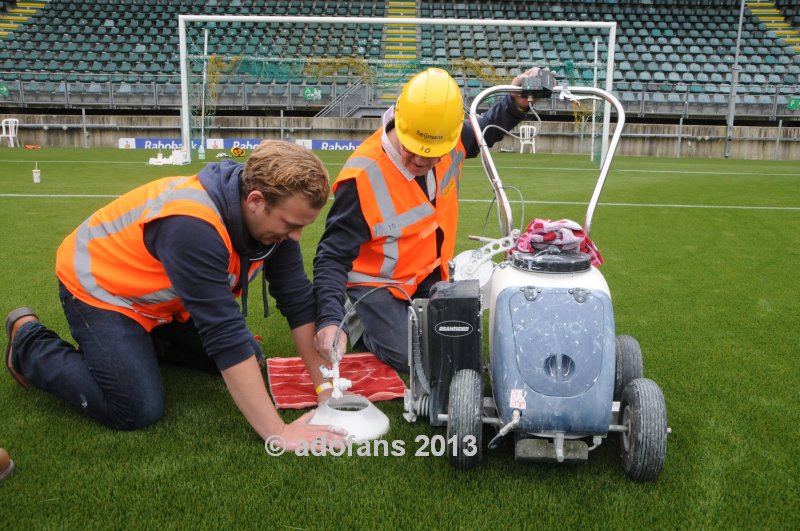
(734, 82)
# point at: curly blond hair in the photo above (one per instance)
(280, 170)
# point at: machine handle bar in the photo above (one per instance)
(504, 207)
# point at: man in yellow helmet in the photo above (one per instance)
(395, 213)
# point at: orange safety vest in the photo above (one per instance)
(401, 218)
(105, 263)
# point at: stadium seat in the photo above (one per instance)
(649, 33)
(675, 99)
(700, 104)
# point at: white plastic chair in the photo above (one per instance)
(10, 127)
(527, 137)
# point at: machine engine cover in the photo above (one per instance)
(454, 338)
(553, 356)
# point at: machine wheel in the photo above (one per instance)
(464, 427)
(643, 413)
(629, 364)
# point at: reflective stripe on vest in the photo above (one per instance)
(393, 225)
(85, 234)
(453, 172)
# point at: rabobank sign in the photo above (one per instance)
(228, 143)
(244, 143)
(335, 145)
(168, 144)
(165, 144)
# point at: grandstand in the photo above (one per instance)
(674, 59)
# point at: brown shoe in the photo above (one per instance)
(11, 319)
(6, 464)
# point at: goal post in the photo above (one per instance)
(605, 30)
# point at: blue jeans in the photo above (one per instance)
(113, 376)
(385, 321)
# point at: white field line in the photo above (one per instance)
(538, 168)
(477, 164)
(615, 170)
(463, 200)
(637, 205)
(53, 196)
(143, 163)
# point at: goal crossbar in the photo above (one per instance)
(183, 20)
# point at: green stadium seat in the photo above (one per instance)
(674, 98)
(774, 79)
(648, 33)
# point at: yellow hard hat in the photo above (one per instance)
(429, 113)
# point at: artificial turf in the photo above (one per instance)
(700, 257)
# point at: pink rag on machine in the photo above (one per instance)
(564, 233)
(291, 387)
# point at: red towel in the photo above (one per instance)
(564, 233)
(291, 387)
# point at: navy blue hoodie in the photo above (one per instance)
(196, 261)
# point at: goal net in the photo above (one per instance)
(356, 66)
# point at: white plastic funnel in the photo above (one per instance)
(354, 413)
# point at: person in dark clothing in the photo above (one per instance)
(155, 275)
(395, 212)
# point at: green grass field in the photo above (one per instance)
(701, 257)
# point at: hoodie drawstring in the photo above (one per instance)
(264, 293)
(244, 278)
(245, 282)
(244, 275)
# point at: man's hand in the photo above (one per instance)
(324, 395)
(324, 343)
(522, 101)
(299, 431)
